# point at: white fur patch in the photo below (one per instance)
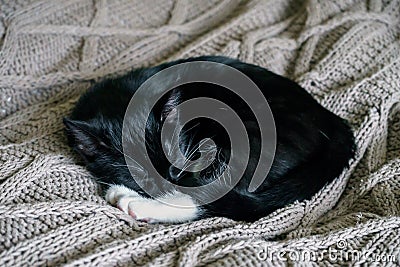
(174, 207)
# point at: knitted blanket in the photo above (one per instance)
(346, 53)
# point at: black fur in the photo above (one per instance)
(313, 144)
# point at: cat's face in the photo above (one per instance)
(99, 142)
(191, 154)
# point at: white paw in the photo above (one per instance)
(170, 208)
(116, 192)
(129, 202)
(141, 209)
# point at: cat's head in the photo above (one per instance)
(98, 140)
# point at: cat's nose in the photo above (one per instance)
(174, 173)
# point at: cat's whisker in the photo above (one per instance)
(101, 182)
(128, 157)
(195, 149)
(227, 170)
(122, 165)
(149, 147)
(139, 168)
(175, 143)
(186, 166)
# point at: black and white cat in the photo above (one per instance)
(313, 145)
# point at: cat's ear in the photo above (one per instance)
(169, 111)
(83, 138)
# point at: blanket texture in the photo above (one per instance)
(344, 52)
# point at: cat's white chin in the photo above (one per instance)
(174, 207)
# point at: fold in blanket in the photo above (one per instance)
(344, 52)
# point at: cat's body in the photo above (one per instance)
(313, 145)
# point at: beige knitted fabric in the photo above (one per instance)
(346, 53)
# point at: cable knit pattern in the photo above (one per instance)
(344, 52)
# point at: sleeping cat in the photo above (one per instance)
(313, 146)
